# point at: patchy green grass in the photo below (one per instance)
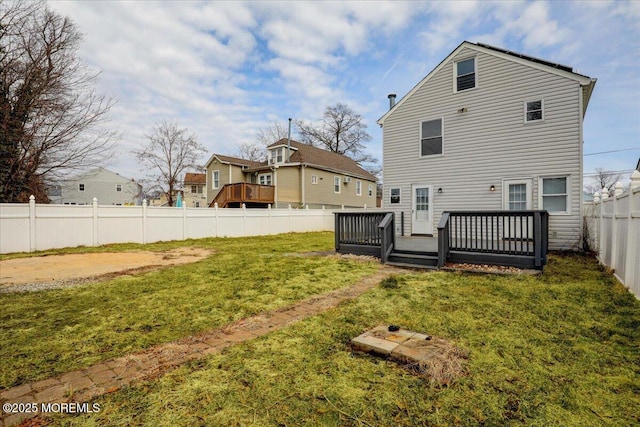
(557, 350)
(52, 332)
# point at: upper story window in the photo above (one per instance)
(276, 155)
(431, 137)
(370, 190)
(336, 184)
(465, 74)
(358, 188)
(314, 179)
(534, 111)
(119, 188)
(80, 187)
(216, 179)
(196, 189)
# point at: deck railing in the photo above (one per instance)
(243, 192)
(364, 233)
(516, 238)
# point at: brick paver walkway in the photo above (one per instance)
(85, 384)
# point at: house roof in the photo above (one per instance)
(323, 159)
(195, 178)
(233, 161)
(586, 82)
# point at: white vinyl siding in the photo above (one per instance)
(489, 142)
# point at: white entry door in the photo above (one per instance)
(517, 196)
(422, 209)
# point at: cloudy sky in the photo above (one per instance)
(226, 69)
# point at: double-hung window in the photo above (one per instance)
(555, 195)
(465, 74)
(336, 184)
(358, 188)
(534, 111)
(264, 179)
(80, 187)
(216, 179)
(370, 190)
(431, 137)
(119, 188)
(394, 196)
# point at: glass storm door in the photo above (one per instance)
(422, 210)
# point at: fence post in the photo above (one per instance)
(32, 223)
(289, 217)
(244, 219)
(603, 238)
(632, 230)
(184, 221)
(596, 221)
(614, 227)
(144, 221)
(94, 206)
(215, 206)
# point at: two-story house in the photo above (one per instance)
(294, 174)
(195, 190)
(488, 129)
(108, 187)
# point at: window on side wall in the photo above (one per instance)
(534, 111)
(314, 179)
(264, 179)
(394, 196)
(336, 184)
(465, 74)
(119, 188)
(216, 179)
(358, 188)
(80, 187)
(555, 194)
(370, 190)
(431, 137)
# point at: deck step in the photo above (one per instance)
(413, 259)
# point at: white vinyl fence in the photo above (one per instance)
(613, 225)
(30, 227)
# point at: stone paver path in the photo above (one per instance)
(85, 384)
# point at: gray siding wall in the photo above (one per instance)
(489, 142)
(100, 184)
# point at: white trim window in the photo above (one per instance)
(314, 179)
(265, 179)
(336, 184)
(431, 137)
(80, 187)
(370, 190)
(215, 176)
(465, 75)
(554, 192)
(394, 196)
(358, 188)
(534, 111)
(119, 188)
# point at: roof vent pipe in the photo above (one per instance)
(392, 100)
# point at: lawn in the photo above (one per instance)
(52, 332)
(561, 349)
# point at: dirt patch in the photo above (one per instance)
(56, 271)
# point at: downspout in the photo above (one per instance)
(303, 196)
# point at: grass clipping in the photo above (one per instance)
(445, 363)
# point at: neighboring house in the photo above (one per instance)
(195, 190)
(488, 129)
(108, 187)
(297, 174)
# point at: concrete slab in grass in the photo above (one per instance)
(402, 345)
(370, 344)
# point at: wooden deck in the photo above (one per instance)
(252, 195)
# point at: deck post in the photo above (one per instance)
(537, 238)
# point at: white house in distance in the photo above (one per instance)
(488, 129)
(108, 187)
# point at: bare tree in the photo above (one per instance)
(603, 179)
(266, 136)
(340, 130)
(170, 152)
(50, 115)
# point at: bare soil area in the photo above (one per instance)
(56, 271)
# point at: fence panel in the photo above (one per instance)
(30, 227)
(612, 225)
